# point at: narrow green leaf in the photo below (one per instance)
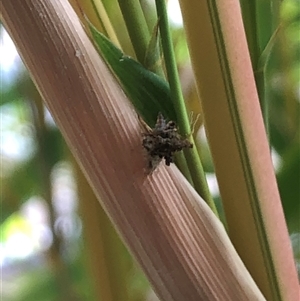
(148, 92)
(153, 60)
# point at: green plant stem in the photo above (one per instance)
(192, 156)
(181, 163)
(136, 26)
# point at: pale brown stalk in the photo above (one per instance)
(238, 143)
(180, 244)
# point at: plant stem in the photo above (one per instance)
(192, 156)
(136, 26)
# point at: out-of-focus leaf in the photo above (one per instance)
(12, 90)
(41, 284)
(35, 285)
(153, 55)
(288, 179)
(19, 186)
(284, 120)
(148, 92)
(26, 180)
(9, 94)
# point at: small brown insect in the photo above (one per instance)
(163, 141)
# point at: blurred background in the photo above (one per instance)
(56, 242)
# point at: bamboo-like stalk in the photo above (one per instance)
(192, 157)
(136, 26)
(238, 143)
(107, 265)
(178, 241)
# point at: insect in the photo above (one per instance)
(163, 141)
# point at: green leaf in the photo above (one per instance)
(153, 60)
(148, 92)
(26, 180)
(288, 183)
(9, 94)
